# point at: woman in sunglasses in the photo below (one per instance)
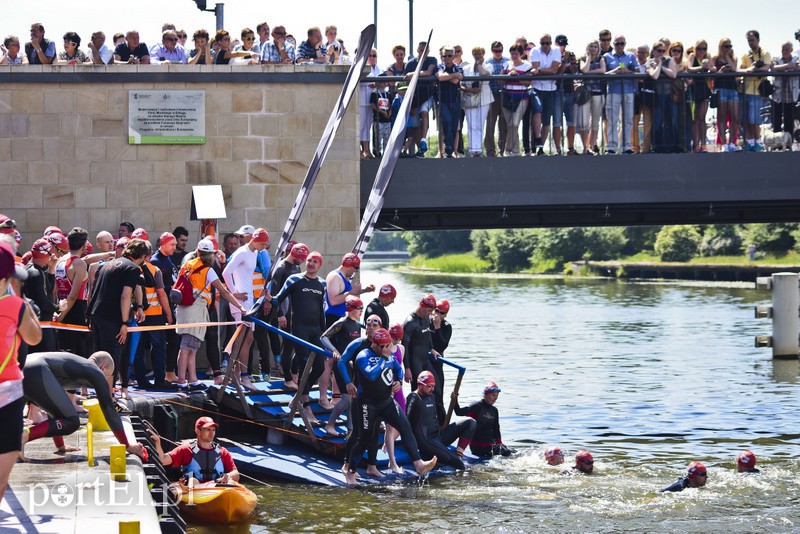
(728, 111)
(71, 54)
(700, 93)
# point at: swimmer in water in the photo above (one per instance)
(554, 456)
(746, 464)
(696, 476)
(584, 464)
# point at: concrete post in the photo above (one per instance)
(785, 320)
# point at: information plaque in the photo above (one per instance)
(166, 117)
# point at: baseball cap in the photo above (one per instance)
(491, 387)
(561, 40)
(41, 249)
(205, 422)
(206, 245)
(402, 86)
(388, 290)
(245, 229)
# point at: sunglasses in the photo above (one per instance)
(440, 311)
(447, 55)
(358, 308)
(659, 50)
(619, 43)
(702, 474)
(701, 48)
(605, 40)
(70, 43)
(727, 46)
(171, 39)
(182, 36)
(545, 43)
(249, 39)
(8, 223)
(373, 55)
(497, 51)
(588, 462)
(678, 50)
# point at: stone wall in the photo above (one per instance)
(65, 157)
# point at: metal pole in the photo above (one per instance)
(219, 11)
(375, 19)
(411, 48)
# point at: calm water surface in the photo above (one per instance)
(647, 376)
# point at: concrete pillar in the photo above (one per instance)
(785, 320)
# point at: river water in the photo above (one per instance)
(647, 376)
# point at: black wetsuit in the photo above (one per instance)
(421, 412)
(47, 374)
(39, 288)
(308, 319)
(337, 337)
(376, 308)
(281, 346)
(679, 485)
(441, 340)
(486, 441)
(418, 341)
(374, 403)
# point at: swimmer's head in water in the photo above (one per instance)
(554, 455)
(697, 473)
(584, 461)
(103, 361)
(746, 460)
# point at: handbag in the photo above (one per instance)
(470, 100)
(582, 95)
(765, 88)
(183, 292)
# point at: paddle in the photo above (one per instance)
(451, 407)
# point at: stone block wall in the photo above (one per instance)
(65, 157)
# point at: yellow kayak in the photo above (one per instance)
(214, 503)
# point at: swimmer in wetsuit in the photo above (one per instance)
(46, 376)
(307, 293)
(554, 456)
(377, 306)
(421, 412)
(336, 339)
(746, 464)
(696, 476)
(486, 442)
(584, 464)
(376, 369)
(418, 343)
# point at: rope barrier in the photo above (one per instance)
(81, 328)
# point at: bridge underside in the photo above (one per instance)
(649, 189)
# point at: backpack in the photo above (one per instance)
(183, 292)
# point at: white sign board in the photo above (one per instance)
(207, 202)
(166, 117)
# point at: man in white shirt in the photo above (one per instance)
(545, 60)
(101, 54)
(240, 274)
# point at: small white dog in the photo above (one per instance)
(774, 141)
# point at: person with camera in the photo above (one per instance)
(728, 109)
(700, 93)
(661, 69)
(755, 60)
(787, 91)
(334, 48)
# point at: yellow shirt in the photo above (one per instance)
(751, 83)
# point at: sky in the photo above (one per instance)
(465, 22)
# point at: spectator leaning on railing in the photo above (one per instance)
(786, 91)
(312, 50)
(168, 50)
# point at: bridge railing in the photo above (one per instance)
(614, 113)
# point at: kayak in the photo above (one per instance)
(214, 503)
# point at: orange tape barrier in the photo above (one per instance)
(81, 328)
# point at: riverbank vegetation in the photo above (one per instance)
(548, 250)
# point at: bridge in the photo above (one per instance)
(622, 190)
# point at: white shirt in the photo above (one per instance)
(545, 62)
(105, 53)
(486, 92)
(238, 272)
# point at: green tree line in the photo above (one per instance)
(541, 249)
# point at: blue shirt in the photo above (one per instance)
(271, 53)
(306, 51)
(497, 66)
(612, 62)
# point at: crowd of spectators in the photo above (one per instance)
(654, 109)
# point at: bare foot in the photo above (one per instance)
(289, 385)
(218, 380)
(423, 467)
(331, 431)
(24, 438)
(350, 478)
(396, 469)
(124, 393)
(326, 405)
(67, 448)
(246, 383)
(171, 377)
(373, 472)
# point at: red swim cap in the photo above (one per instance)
(746, 459)
(315, 255)
(388, 290)
(300, 251)
(260, 236)
(427, 378)
(381, 337)
(443, 306)
(351, 260)
(140, 233)
(697, 469)
(428, 301)
(396, 331)
(352, 302)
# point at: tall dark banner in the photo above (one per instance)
(388, 163)
(350, 86)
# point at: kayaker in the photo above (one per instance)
(584, 464)
(421, 412)
(746, 464)
(696, 476)
(202, 461)
(378, 377)
(486, 441)
(47, 374)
